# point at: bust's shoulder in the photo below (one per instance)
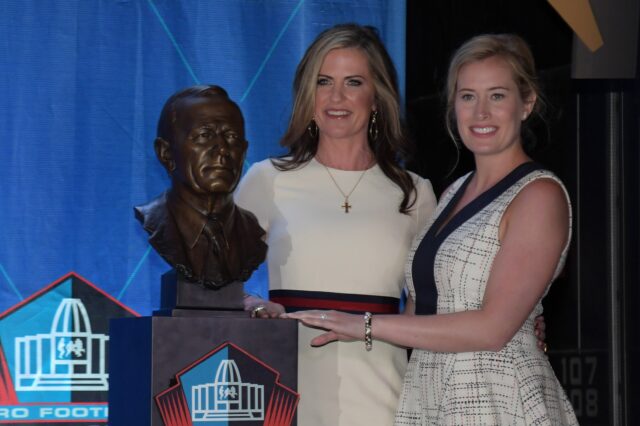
(153, 213)
(246, 220)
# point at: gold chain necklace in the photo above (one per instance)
(346, 206)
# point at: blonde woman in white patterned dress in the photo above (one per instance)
(498, 239)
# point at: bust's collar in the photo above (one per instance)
(191, 219)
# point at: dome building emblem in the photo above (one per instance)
(227, 385)
(69, 357)
(54, 354)
(227, 397)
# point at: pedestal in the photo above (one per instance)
(215, 361)
(201, 360)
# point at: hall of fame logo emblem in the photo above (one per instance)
(54, 354)
(227, 385)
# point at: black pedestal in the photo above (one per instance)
(147, 353)
(200, 360)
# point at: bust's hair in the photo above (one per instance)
(391, 147)
(516, 54)
(169, 114)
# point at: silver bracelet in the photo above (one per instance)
(368, 341)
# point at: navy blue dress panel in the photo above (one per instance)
(424, 258)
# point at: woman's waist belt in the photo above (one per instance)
(297, 300)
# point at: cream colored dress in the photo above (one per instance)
(515, 386)
(320, 256)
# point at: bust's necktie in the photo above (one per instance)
(218, 244)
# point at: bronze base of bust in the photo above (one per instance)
(180, 297)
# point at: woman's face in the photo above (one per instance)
(344, 95)
(489, 108)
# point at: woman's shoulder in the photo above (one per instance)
(542, 173)
(540, 187)
(423, 185)
(276, 165)
(543, 203)
(425, 201)
(262, 167)
(419, 180)
(416, 177)
(254, 183)
(540, 182)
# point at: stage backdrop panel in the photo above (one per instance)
(81, 88)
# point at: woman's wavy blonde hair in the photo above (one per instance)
(391, 147)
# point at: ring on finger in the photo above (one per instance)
(257, 310)
(323, 317)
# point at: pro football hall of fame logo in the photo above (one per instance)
(225, 386)
(53, 354)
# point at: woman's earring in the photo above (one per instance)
(373, 126)
(312, 128)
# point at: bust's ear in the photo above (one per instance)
(163, 152)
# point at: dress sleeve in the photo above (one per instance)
(255, 194)
(425, 203)
(422, 211)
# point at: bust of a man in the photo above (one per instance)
(195, 225)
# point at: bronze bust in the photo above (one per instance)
(195, 225)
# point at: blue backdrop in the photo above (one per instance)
(81, 87)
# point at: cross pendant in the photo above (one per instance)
(346, 206)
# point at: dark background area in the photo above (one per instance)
(590, 139)
(435, 29)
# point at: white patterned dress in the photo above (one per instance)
(514, 386)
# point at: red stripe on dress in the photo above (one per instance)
(340, 305)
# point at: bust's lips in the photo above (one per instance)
(217, 168)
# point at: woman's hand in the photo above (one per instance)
(539, 330)
(261, 308)
(339, 325)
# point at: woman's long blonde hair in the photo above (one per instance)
(391, 146)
